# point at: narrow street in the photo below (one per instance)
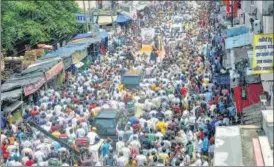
(151, 91)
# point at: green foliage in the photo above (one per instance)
(37, 21)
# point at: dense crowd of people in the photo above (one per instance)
(176, 107)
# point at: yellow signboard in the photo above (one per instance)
(262, 58)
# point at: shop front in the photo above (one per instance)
(55, 75)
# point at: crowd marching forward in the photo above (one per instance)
(176, 108)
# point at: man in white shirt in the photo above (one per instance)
(141, 159)
(159, 135)
(122, 160)
(92, 135)
(126, 152)
(120, 145)
(135, 143)
(58, 109)
(80, 132)
(142, 122)
(39, 155)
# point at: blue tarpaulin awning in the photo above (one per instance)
(235, 31)
(122, 19)
(84, 35)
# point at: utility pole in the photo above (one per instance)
(111, 12)
(84, 5)
(89, 15)
(232, 8)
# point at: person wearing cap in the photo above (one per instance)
(92, 135)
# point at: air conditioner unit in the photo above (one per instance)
(257, 27)
(267, 24)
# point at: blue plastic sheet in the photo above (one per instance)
(122, 19)
(84, 35)
(235, 31)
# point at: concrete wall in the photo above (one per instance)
(268, 124)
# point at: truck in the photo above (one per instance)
(132, 78)
(106, 122)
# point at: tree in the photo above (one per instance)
(32, 22)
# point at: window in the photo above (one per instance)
(105, 123)
(252, 2)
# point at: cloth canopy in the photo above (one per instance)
(11, 95)
(12, 107)
(122, 19)
(105, 20)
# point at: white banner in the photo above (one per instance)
(148, 35)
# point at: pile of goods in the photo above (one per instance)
(31, 56)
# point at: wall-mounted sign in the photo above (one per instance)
(31, 88)
(262, 59)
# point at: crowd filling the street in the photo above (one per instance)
(130, 106)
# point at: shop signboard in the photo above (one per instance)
(262, 58)
(236, 31)
(55, 70)
(81, 18)
(78, 56)
(31, 88)
(237, 41)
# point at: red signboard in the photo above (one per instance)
(253, 96)
(54, 70)
(31, 88)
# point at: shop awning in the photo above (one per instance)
(84, 35)
(11, 95)
(235, 31)
(105, 20)
(122, 19)
(12, 107)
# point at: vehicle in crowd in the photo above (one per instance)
(106, 121)
(132, 79)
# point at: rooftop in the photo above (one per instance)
(107, 113)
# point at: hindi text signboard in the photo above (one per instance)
(262, 59)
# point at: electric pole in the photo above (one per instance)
(84, 5)
(89, 15)
(232, 8)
